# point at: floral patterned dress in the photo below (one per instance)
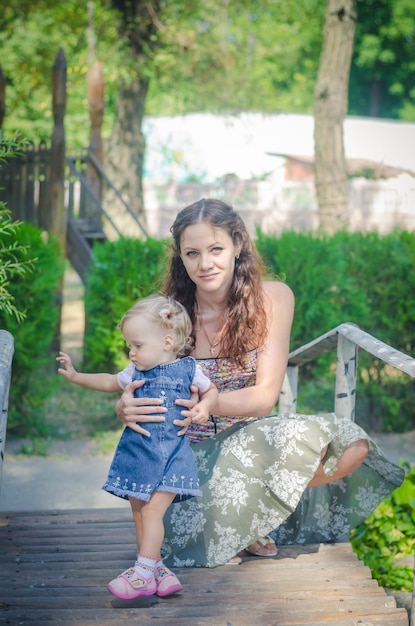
(253, 474)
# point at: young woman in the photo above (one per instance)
(302, 478)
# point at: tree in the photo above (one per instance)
(139, 25)
(330, 109)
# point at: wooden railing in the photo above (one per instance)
(6, 356)
(347, 339)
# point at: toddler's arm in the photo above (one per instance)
(201, 411)
(99, 382)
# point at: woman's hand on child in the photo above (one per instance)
(131, 410)
(187, 413)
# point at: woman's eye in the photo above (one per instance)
(217, 250)
(191, 254)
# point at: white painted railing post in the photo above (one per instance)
(6, 356)
(287, 402)
(345, 390)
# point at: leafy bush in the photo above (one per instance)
(120, 273)
(388, 536)
(14, 257)
(37, 293)
(14, 262)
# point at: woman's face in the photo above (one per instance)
(208, 254)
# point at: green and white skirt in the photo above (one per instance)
(254, 478)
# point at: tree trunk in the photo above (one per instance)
(125, 152)
(330, 109)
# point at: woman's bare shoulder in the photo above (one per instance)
(278, 290)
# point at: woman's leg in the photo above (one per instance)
(351, 460)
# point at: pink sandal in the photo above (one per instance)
(167, 582)
(130, 584)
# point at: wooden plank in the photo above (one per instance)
(55, 566)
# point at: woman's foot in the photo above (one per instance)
(264, 546)
(167, 582)
(130, 584)
(235, 560)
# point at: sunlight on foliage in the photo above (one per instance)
(387, 537)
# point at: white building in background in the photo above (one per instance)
(234, 157)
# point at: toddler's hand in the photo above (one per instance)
(68, 369)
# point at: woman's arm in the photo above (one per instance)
(131, 410)
(260, 399)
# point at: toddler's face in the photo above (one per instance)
(149, 344)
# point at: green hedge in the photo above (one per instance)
(33, 368)
(120, 273)
(368, 279)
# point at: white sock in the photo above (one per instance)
(145, 566)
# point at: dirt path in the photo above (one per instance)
(73, 316)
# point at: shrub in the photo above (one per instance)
(37, 294)
(14, 257)
(387, 536)
(120, 273)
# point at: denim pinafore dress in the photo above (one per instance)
(164, 461)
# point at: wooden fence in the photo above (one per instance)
(25, 185)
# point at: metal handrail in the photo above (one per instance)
(98, 166)
(84, 181)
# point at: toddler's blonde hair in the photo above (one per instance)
(169, 315)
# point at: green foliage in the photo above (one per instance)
(383, 61)
(38, 292)
(198, 56)
(14, 262)
(14, 257)
(30, 39)
(238, 56)
(120, 273)
(387, 536)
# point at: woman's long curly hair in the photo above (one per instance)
(245, 317)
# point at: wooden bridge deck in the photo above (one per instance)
(54, 566)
